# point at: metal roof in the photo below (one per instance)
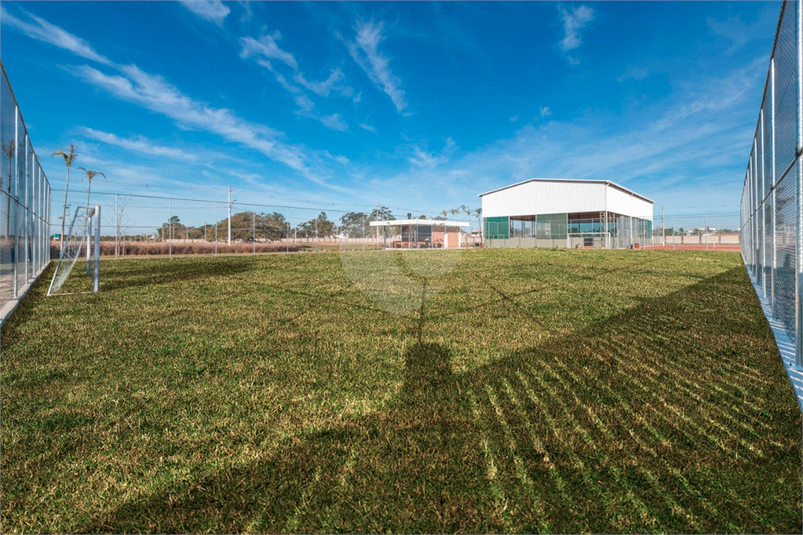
(578, 180)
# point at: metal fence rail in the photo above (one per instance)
(24, 202)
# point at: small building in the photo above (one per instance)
(552, 212)
(421, 233)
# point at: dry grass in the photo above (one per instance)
(188, 248)
(550, 391)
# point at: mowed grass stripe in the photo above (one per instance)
(562, 391)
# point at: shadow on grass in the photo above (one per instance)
(142, 272)
(673, 416)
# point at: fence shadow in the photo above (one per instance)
(141, 273)
(667, 417)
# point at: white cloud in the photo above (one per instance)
(740, 33)
(211, 10)
(684, 150)
(324, 88)
(636, 73)
(266, 47)
(574, 20)
(155, 94)
(42, 30)
(368, 127)
(335, 122)
(141, 145)
(545, 111)
(514, 118)
(365, 51)
(430, 160)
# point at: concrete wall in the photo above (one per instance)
(528, 243)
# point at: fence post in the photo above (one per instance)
(799, 197)
(772, 215)
(763, 207)
(32, 215)
(96, 282)
(254, 230)
(169, 228)
(25, 212)
(16, 191)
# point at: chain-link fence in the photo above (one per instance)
(24, 202)
(697, 231)
(771, 209)
(141, 224)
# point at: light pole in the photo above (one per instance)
(230, 201)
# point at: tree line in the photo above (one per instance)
(271, 226)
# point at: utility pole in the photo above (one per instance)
(229, 215)
(116, 228)
(663, 228)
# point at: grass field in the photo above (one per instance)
(536, 391)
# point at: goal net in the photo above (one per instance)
(590, 240)
(72, 247)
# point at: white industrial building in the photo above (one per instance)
(552, 212)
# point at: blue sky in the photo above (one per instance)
(419, 106)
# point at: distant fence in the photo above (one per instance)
(24, 202)
(152, 224)
(771, 208)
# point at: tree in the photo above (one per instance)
(354, 224)
(465, 210)
(168, 229)
(68, 156)
(320, 227)
(381, 213)
(90, 176)
(271, 226)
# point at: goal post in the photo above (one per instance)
(78, 237)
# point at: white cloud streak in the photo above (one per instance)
(574, 20)
(266, 47)
(211, 10)
(42, 30)
(155, 94)
(365, 51)
(140, 145)
(423, 159)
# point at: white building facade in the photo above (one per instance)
(551, 212)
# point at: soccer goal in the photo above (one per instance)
(78, 240)
(590, 240)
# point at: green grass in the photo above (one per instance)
(535, 391)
